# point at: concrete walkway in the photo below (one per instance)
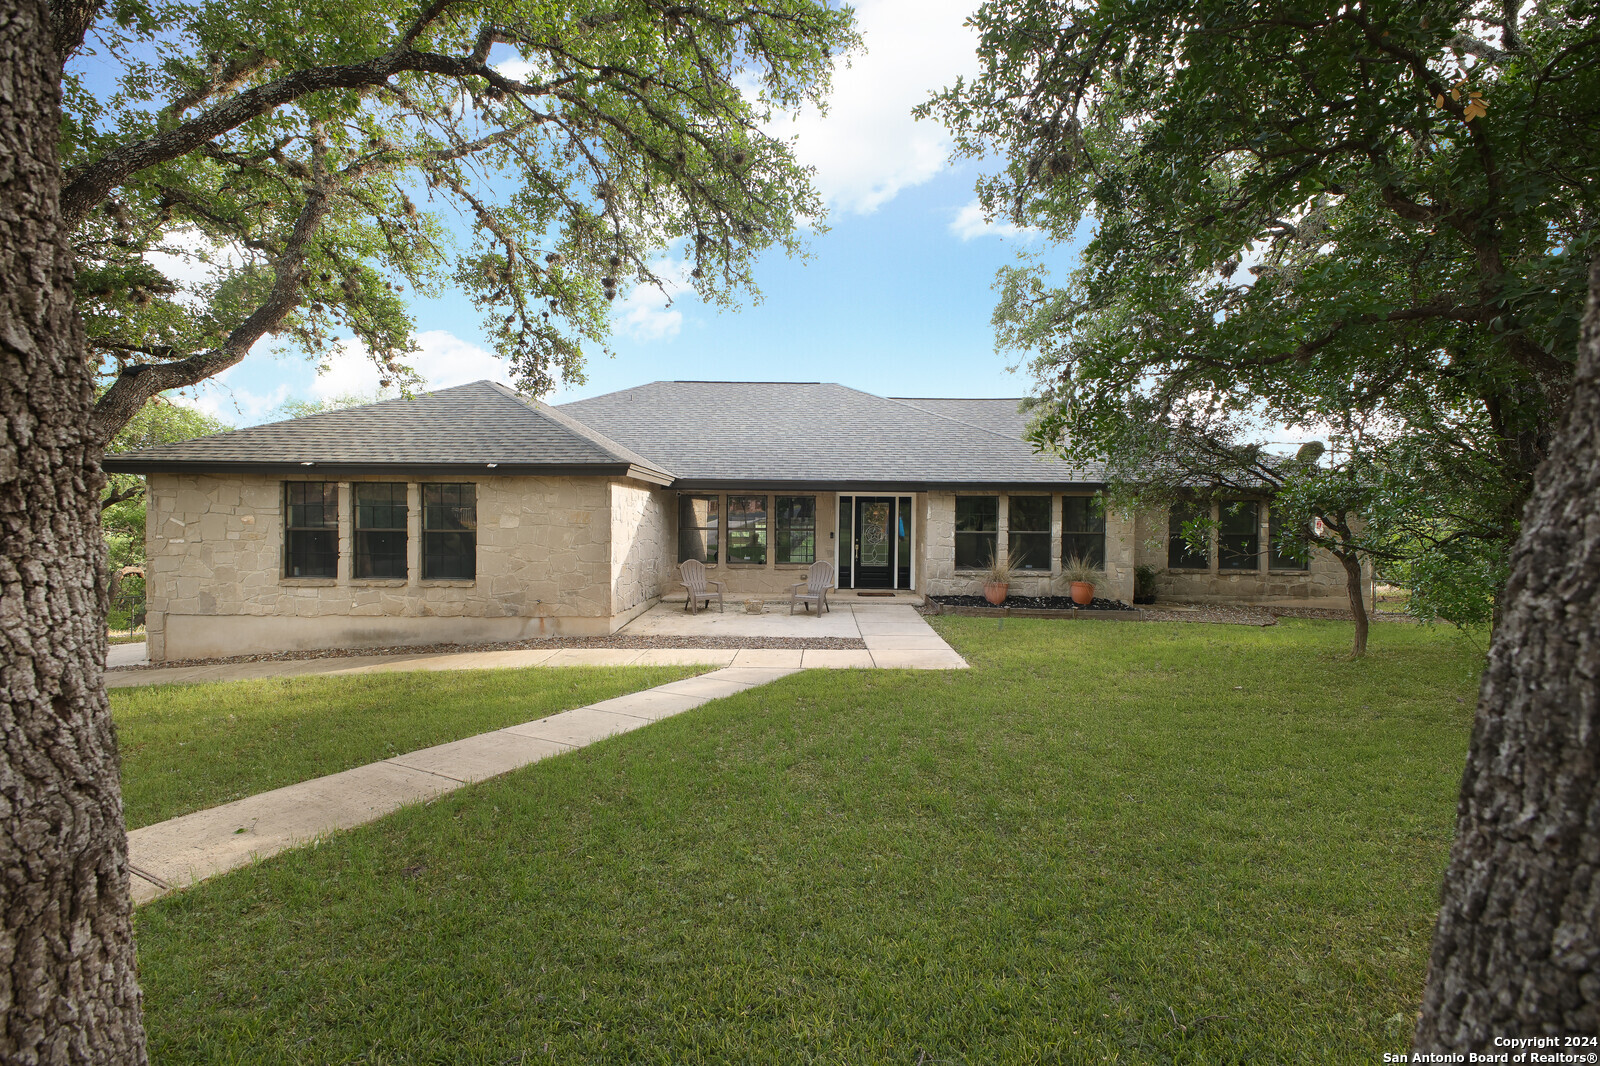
(190, 848)
(897, 637)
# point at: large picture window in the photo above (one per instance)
(697, 529)
(1239, 535)
(1181, 555)
(977, 530)
(747, 530)
(1285, 551)
(450, 531)
(311, 510)
(380, 529)
(1028, 532)
(1083, 529)
(795, 535)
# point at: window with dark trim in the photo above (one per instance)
(1239, 535)
(1083, 530)
(380, 508)
(795, 529)
(977, 530)
(697, 529)
(1028, 532)
(1285, 550)
(311, 524)
(747, 530)
(450, 531)
(1181, 555)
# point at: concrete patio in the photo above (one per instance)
(896, 638)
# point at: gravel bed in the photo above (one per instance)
(534, 644)
(1036, 603)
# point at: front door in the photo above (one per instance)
(874, 542)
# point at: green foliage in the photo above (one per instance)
(1370, 224)
(302, 408)
(160, 421)
(298, 168)
(1106, 842)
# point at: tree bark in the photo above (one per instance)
(68, 992)
(1517, 948)
(1351, 562)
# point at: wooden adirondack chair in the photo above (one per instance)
(695, 582)
(819, 579)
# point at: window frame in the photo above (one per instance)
(290, 529)
(711, 541)
(784, 529)
(361, 562)
(1016, 546)
(1071, 538)
(1247, 557)
(467, 531)
(758, 531)
(1275, 561)
(1175, 539)
(976, 538)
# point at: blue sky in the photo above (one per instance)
(895, 298)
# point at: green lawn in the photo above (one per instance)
(188, 747)
(1106, 842)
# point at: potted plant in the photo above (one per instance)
(1083, 577)
(1144, 584)
(997, 580)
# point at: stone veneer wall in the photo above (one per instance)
(943, 579)
(215, 563)
(1322, 585)
(641, 545)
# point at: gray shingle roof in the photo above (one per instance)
(467, 426)
(724, 431)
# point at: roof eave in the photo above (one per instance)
(133, 465)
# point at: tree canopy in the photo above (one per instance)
(300, 169)
(1367, 222)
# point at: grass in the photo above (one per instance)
(1106, 842)
(188, 747)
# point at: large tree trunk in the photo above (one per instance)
(68, 992)
(1517, 948)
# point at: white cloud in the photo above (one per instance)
(443, 359)
(234, 404)
(190, 259)
(867, 148)
(646, 314)
(969, 223)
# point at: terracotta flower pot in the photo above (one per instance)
(1082, 593)
(995, 594)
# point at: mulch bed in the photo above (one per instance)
(534, 644)
(1035, 603)
(1214, 613)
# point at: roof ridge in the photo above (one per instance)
(947, 418)
(594, 436)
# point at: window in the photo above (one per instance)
(795, 532)
(1180, 554)
(697, 529)
(1028, 525)
(380, 529)
(1239, 535)
(450, 531)
(1293, 555)
(1083, 529)
(747, 530)
(311, 547)
(977, 529)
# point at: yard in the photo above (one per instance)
(1106, 842)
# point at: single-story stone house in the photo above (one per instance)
(476, 514)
